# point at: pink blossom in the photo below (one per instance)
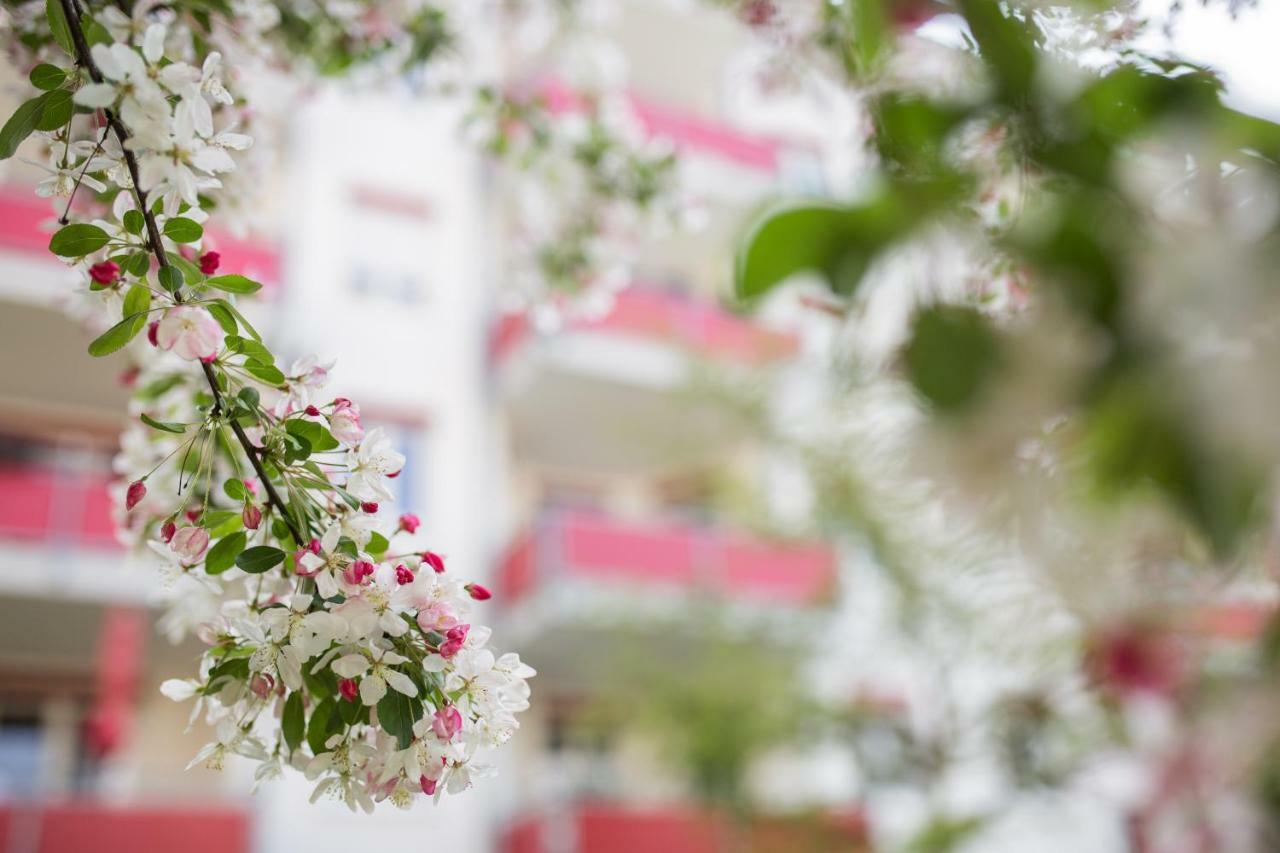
(348, 690)
(403, 575)
(167, 530)
(1134, 659)
(409, 523)
(191, 332)
(209, 262)
(252, 517)
(153, 329)
(478, 592)
(312, 411)
(428, 786)
(344, 423)
(434, 560)
(106, 272)
(436, 617)
(136, 492)
(369, 506)
(447, 722)
(190, 543)
(261, 685)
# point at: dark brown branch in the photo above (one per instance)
(84, 57)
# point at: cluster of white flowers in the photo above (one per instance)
(324, 650)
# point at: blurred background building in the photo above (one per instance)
(574, 470)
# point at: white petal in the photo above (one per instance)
(372, 689)
(153, 43)
(96, 95)
(351, 666)
(401, 682)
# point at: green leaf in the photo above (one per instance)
(321, 726)
(396, 714)
(134, 221)
(117, 336)
(163, 426)
(293, 723)
(235, 489)
(190, 272)
(19, 126)
(78, 240)
(56, 110)
(952, 354)
(222, 556)
(179, 229)
(268, 373)
(245, 324)
(259, 559)
(58, 26)
(171, 278)
(94, 32)
(137, 300)
(223, 316)
(137, 264)
(47, 77)
(314, 433)
(251, 349)
(222, 523)
(234, 284)
(377, 546)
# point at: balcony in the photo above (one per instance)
(591, 549)
(74, 826)
(33, 274)
(628, 374)
(596, 828)
(579, 587)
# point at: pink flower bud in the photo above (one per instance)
(167, 530)
(209, 262)
(193, 515)
(252, 517)
(347, 689)
(453, 640)
(312, 411)
(428, 786)
(356, 573)
(370, 507)
(153, 331)
(137, 491)
(446, 722)
(434, 560)
(261, 685)
(403, 575)
(409, 523)
(252, 486)
(478, 592)
(106, 272)
(190, 543)
(129, 378)
(314, 547)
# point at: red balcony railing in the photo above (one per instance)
(44, 504)
(652, 313)
(581, 545)
(26, 222)
(600, 828)
(76, 827)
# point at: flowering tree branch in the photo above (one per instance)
(84, 59)
(360, 669)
